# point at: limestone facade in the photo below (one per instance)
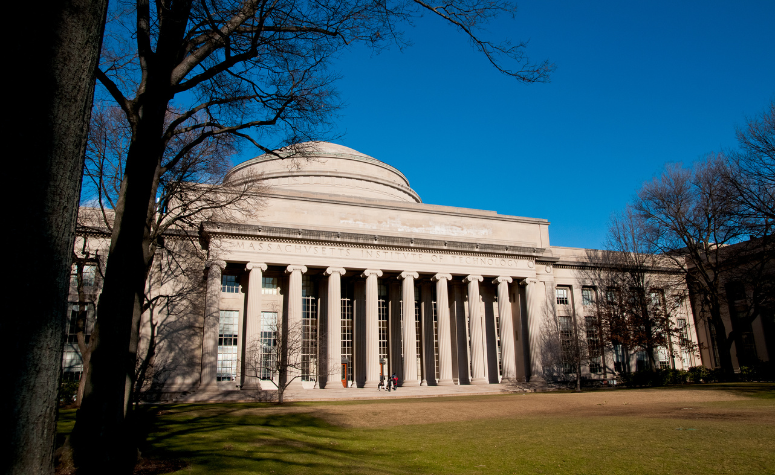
(376, 282)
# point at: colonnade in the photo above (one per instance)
(462, 331)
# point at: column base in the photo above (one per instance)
(295, 384)
(371, 384)
(480, 381)
(412, 383)
(445, 382)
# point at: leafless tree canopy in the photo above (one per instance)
(714, 221)
(751, 169)
(192, 80)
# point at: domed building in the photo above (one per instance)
(346, 256)
(321, 167)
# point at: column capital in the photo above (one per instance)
(293, 268)
(411, 274)
(438, 277)
(255, 265)
(502, 278)
(526, 282)
(370, 272)
(471, 278)
(215, 262)
(335, 270)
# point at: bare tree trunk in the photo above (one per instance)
(80, 325)
(53, 127)
(102, 435)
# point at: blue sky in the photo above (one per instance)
(637, 84)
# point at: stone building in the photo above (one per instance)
(747, 281)
(376, 282)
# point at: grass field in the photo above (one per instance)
(703, 429)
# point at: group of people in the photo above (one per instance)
(391, 383)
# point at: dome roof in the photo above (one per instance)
(323, 167)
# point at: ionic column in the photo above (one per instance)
(334, 327)
(252, 349)
(479, 372)
(508, 351)
(293, 327)
(212, 315)
(408, 332)
(372, 327)
(533, 296)
(444, 336)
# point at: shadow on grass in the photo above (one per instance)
(224, 437)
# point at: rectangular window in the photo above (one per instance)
(562, 295)
(418, 330)
(72, 362)
(309, 323)
(435, 339)
(268, 339)
(588, 296)
(382, 317)
(662, 358)
(498, 353)
(89, 273)
(229, 284)
(227, 345)
(347, 330)
(593, 345)
(269, 286)
(656, 298)
(566, 344)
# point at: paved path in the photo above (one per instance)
(340, 393)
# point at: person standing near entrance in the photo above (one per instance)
(381, 381)
(394, 379)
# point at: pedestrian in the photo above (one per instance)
(381, 381)
(394, 378)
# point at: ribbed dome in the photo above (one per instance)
(323, 167)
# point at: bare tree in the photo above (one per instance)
(57, 101)
(563, 347)
(750, 170)
(87, 267)
(215, 71)
(277, 356)
(639, 313)
(691, 217)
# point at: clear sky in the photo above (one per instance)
(637, 84)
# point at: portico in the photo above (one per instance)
(467, 324)
(347, 272)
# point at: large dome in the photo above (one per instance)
(323, 167)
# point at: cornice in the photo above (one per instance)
(404, 206)
(256, 232)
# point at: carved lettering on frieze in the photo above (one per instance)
(372, 254)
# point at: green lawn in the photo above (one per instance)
(222, 438)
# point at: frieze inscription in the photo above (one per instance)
(379, 254)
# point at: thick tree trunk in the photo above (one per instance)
(102, 435)
(52, 125)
